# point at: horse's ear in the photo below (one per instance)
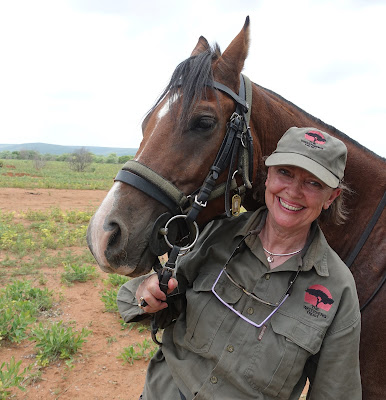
(201, 46)
(231, 63)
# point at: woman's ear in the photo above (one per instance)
(335, 193)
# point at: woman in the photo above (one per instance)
(268, 302)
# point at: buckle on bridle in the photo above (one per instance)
(200, 203)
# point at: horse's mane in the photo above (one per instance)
(328, 127)
(192, 77)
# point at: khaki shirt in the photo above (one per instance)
(211, 353)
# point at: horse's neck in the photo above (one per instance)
(272, 115)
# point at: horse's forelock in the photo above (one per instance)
(190, 78)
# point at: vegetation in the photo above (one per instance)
(78, 273)
(19, 305)
(109, 299)
(11, 376)
(33, 155)
(37, 247)
(139, 351)
(80, 159)
(56, 175)
(57, 341)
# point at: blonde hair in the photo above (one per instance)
(337, 213)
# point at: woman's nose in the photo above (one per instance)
(295, 188)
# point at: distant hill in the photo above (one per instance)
(44, 148)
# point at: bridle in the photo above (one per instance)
(235, 153)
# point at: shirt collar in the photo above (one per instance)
(316, 255)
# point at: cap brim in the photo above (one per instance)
(306, 163)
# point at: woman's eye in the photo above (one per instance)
(314, 184)
(204, 124)
(283, 171)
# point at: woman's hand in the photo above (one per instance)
(150, 291)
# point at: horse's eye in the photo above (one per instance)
(204, 123)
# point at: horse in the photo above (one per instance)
(182, 134)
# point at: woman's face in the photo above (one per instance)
(295, 197)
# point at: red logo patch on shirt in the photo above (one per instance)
(319, 296)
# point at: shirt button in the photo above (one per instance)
(267, 276)
(213, 379)
(230, 348)
(250, 310)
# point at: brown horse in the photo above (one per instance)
(181, 137)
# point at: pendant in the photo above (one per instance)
(236, 205)
(270, 259)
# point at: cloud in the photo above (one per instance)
(85, 72)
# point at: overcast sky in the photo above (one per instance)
(84, 72)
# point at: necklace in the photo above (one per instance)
(270, 258)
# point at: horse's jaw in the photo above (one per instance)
(118, 237)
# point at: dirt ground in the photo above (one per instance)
(97, 374)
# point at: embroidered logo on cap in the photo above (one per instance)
(315, 137)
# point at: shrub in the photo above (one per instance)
(139, 351)
(57, 341)
(10, 376)
(109, 298)
(117, 280)
(78, 273)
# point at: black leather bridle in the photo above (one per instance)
(237, 145)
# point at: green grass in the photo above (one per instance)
(20, 304)
(11, 376)
(56, 175)
(78, 273)
(109, 299)
(117, 280)
(57, 341)
(50, 229)
(139, 351)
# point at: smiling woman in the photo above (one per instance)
(232, 297)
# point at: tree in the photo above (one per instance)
(123, 159)
(112, 158)
(80, 159)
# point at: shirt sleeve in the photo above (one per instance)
(127, 302)
(334, 372)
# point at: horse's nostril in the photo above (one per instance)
(115, 236)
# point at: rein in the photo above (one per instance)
(237, 145)
(362, 240)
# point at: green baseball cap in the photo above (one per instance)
(313, 150)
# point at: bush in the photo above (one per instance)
(80, 159)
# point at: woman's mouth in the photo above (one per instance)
(288, 206)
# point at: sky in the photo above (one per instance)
(85, 72)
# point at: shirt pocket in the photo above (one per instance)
(204, 312)
(279, 360)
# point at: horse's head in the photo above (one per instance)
(182, 134)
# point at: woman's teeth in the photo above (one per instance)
(288, 207)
